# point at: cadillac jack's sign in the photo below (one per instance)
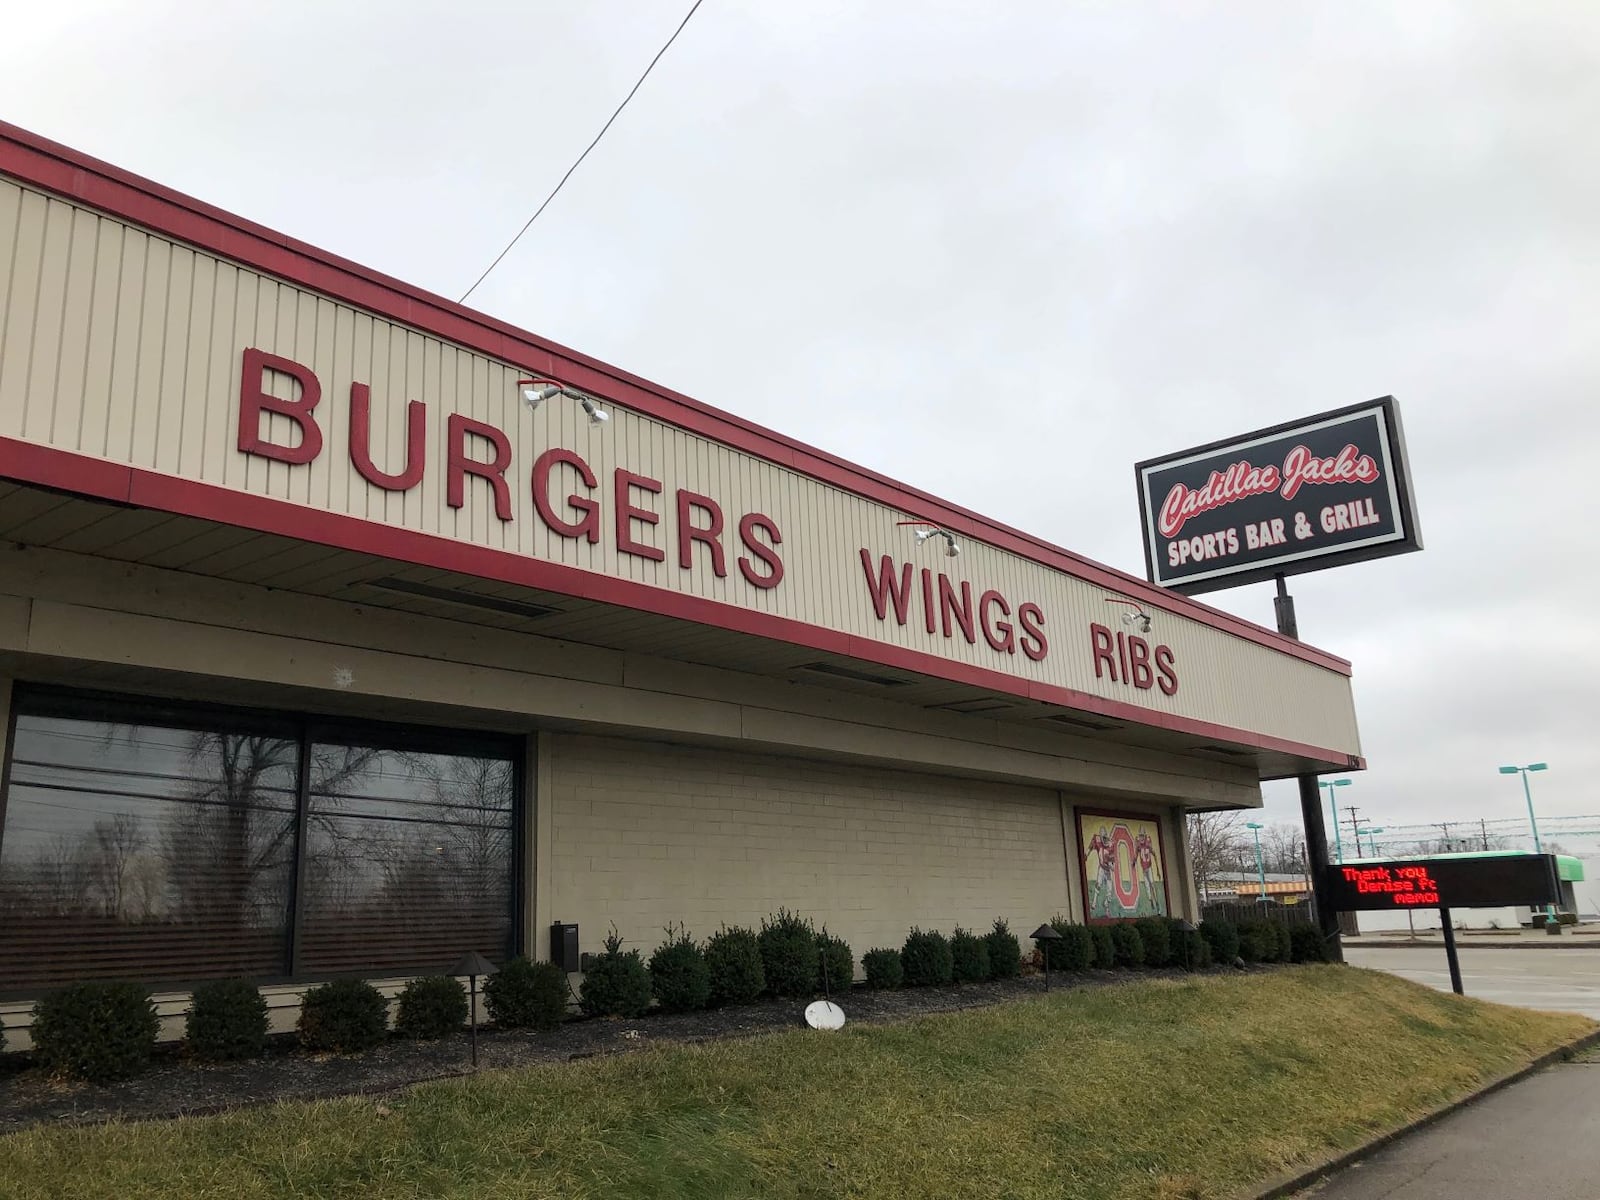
(1316, 493)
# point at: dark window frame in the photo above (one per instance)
(305, 729)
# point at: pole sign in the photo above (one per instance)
(1330, 489)
(1501, 881)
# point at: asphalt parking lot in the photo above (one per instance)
(1556, 980)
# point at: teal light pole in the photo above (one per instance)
(1338, 846)
(1527, 792)
(1261, 873)
(1372, 835)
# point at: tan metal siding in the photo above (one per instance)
(645, 833)
(122, 345)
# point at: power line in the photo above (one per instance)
(584, 155)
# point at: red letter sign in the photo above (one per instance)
(252, 399)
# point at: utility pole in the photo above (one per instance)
(1444, 828)
(1483, 826)
(1355, 826)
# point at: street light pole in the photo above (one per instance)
(1261, 872)
(1338, 847)
(1527, 792)
(1372, 836)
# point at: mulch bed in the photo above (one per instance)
(175, 1087)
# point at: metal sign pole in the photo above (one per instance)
(1450, 951)
(1311, 809)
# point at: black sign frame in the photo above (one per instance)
(1498, 881)
(1388, 498)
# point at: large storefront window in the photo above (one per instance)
(408, 858)
(159, 844)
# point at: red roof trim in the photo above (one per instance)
(44, 466)
(58, 169)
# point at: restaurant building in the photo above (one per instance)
(323, 650)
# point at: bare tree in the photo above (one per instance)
(230, 843)
(1214, 839)
(1284, 849)
(117, 843)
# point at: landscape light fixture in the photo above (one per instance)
(536, 391)
(472, 965)
(1136, 615)
(1046, 934)
(930, 530)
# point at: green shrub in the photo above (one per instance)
(925, 959)
(882, 968)
(1306, 944)
(1105, 950)
(679, 976)
(1190, 949)
(1005, 952)
(836, 965)
(969, 957)
(432, 1006)
(1249, 940)
(526, 995)
(789, 954)
(1223, 939)
(1075, 950)
(616, 983)
(227, 1019)
(101, 1032)
(344, 1016)
(1127, 945)
(1157, 938)
(1267, 941)
(733, 957)
(1285, 946)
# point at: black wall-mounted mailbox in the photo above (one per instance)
(564, 947)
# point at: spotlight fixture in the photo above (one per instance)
(1136, 616)
(537, 391)
(930, 530)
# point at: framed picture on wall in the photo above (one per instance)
(1124, 863)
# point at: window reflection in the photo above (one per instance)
(157, 852)
(408, 858)
(142, 851)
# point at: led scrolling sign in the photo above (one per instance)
(1498, 881)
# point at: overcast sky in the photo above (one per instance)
(1001, 252)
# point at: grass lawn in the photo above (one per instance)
(1152, 1089)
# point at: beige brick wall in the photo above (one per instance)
(645, 833)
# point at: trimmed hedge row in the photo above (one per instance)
(103, 1032)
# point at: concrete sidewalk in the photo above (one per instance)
(1583, 937)
(1537, 1138)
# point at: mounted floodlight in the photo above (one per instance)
(930, 530)
(1136, 616)
(536, 391)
